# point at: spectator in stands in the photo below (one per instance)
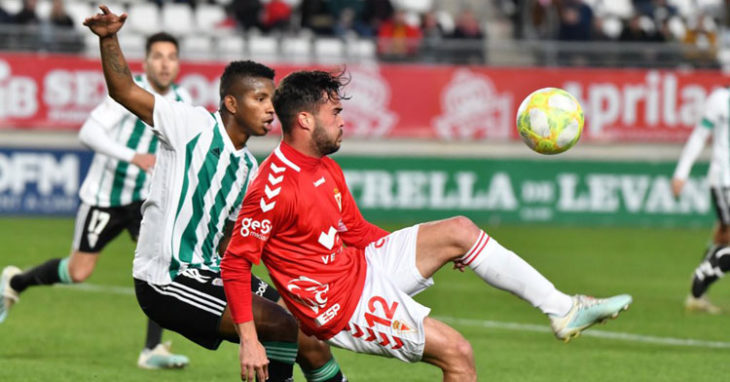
(277, 15)
(634, 31)
(662, 13)
(576, 24)
(639, 29)
(470, 49)
(59, 18)
(541, 20)
(28, 34)
(375, 13)
(467, 26)
(397, 39)
(27, 15)
(431, 28)
(60, 35)
(576, 21)
(5, 17)
(247, 13)
(701, 36)
(660, 10)
(432, 45)
(348, 16)
(317, 17)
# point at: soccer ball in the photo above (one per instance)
(550, 120)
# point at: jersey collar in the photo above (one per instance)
(224, 134)
(294, 159)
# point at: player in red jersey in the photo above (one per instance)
(348, 281)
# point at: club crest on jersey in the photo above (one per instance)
(309, 292)
(338, 198)
(401, 327)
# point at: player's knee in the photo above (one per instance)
(313, 353)
(277, 325)
(463, 230)
(461, 356)
(79, 274)
(463, 349)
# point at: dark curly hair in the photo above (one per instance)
(307, 90)
(242, 69)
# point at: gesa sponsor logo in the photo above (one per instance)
(255, 228)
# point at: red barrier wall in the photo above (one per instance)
(410, 101)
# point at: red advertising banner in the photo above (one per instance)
(405, 101)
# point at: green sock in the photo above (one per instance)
(285, 352)
(324, 373)
(63, 272)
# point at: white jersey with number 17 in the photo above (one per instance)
(113, 182)
(197, 186)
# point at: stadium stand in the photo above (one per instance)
(507, 32)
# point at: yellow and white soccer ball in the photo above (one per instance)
(550, 120)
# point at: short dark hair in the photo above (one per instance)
(160, 37)
(242, 69)
(307, 90)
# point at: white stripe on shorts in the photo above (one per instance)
(722, 206)
(199, 293)
(176, 294)
(81, 215)
(203, 298)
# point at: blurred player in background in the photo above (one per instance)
(201, 176)
(348, 281)
(716, 261)
(112, 192)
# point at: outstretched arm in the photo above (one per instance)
(116, 71)
(236, 275)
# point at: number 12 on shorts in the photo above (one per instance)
(389, 311)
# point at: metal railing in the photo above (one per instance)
(46, 38)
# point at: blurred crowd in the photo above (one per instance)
(452, 31)
(401, 34)
(26, 30)
(693, 24)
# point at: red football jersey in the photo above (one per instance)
(301, 220)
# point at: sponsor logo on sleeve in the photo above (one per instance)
(255, 228)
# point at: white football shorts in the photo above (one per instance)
(387, 321)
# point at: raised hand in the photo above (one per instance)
(106, 23)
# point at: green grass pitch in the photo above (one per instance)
(95, 334)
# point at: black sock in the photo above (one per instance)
(154, 335)
(280, 371)
(44, 274)
(715, 264)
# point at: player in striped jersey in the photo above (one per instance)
(716, 261)
(113, 191)
(201, 175)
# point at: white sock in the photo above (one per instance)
(503, 269)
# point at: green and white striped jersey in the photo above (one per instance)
(716, 122)
(197, 186)
(112, 181)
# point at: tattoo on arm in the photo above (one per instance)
(115, 66)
